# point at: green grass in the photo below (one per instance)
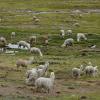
(47, 5)
(16, 17)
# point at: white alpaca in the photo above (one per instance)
(13, 34)
(81, 36)
(76, 72)
(91, 71)
(24, 44)
(69, 32)
(37, 20)
(41, 72)
(76, 24)
(3, 40)
(31, 76)
(45, 83)
(36, 50)
(42, 69)
(62, 33)
(68, 42)
(35, 73)
(24, 63)
(77, 11)
(34, 17)
(43, 66)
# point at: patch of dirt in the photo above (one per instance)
(60, 88)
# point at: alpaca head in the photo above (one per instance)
(52, 75)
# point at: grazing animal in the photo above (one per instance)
(81, 36)
(13, 34)
(42, 69)
(3, 43)
(24, 63)
(76, 72)
(24, 44)
(36, 50)
(68, 42)
(76, 24)
(34, 17)
(90, 70)
(35, 73)
(37, 20)
(31, 76)
(3, 40)
(45, 83)
(62, 33)
(42, 66)
(69, 32)
(32, 39)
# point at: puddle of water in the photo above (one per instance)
(15, 46)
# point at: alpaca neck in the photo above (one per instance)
(46, 67)
(52, 78)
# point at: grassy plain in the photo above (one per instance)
(16, 15)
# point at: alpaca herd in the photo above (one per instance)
(88, 70)
(37, 76)
(70, 41)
